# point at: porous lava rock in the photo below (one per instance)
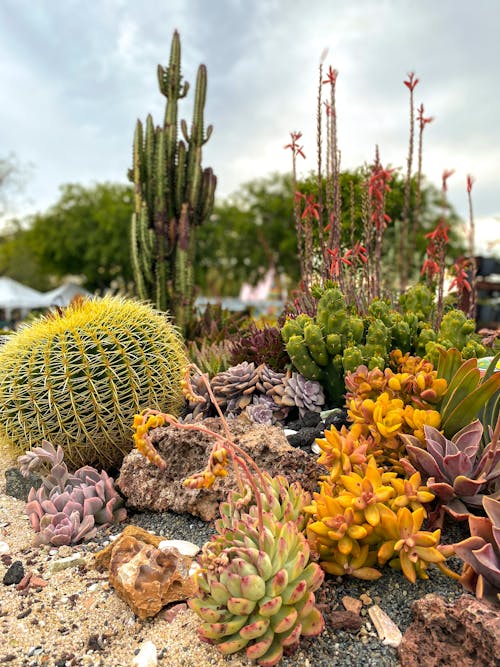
(465, 633)
(146, 487)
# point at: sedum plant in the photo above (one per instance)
(255, 588)
(459, 471)
(481, 553)
(67, 507)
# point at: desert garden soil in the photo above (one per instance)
(77, 619)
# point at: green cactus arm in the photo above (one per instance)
(313, 338)
(207, 195)
(333, 344)
(137, 165)
(148, 177)
(301, 358)
(352, 358)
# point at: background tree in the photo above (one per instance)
(85, 233)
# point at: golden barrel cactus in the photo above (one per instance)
(77, 377)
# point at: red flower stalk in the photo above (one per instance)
(446, 175)
(337, 261)
(296, 149)
(311, 208)
(411, 82)
(422, 121)
(331, 76)
(460, 281)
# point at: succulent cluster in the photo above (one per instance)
(68, 506)
(364, 517)
(261, 394)
(481, 553)
(325, 347)
(458, 471)
(261, 346)
(256, 586)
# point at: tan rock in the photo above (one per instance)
(352, 604)
(103, 557)
(147, 578)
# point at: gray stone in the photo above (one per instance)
(18, 486)
(147, 487)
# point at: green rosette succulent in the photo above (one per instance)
(258, 592)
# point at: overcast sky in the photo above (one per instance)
(76, 74)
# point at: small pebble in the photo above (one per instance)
(14, 574)
(147, 656)
(4, 548)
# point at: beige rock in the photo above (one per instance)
(386, 629)
(352, 604)
(184, 547)
(147, 578)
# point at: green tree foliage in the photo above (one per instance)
(85, 233)
(18, 259)
(255, 228)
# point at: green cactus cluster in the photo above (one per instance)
(77, 378)
(173, 194)
(338, 339)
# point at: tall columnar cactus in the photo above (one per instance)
(78, 377)
(173, 194)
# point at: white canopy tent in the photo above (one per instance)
(14, 296)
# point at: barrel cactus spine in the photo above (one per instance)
(173, 194)
(76, 378)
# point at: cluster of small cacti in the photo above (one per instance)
(368, 517)
(258, 392)
(255, 590)
(76, 378)
(68, 506)
(337, 340)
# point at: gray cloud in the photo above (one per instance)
(75, 76)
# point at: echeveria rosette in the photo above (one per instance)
(457, 471)
(63, 529)
(258, 593)
(481, 553)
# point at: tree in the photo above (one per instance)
(86, 233)
(254, 228)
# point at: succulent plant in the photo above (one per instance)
(67, 506)
(481, 553)
(237, 384)
(173, 194)
(262, 346)
(77, 377)
(258, 593)
(63, 529)
(260, 411)
(357, 515)
(211, 358)
(307, 395)
(458, 471)
(469, 395)
(335, 340)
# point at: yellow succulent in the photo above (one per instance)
(358, 563)
(417, 419)
(410, 548)
(409, 492)
(365, 493)
(342, 451)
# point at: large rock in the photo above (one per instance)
(466, 633)
(186, 452)
(145, 577)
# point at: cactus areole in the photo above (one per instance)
(173, 194)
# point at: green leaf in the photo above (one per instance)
(469, 408)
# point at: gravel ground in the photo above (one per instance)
(77, 619)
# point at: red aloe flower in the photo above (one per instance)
(430, 267)
(446, 175)
(296, 149)
(311, 208)
(470, 182)
(460, 281)
(411, 82)
(331, 77)
(337, 260)
(440, 232)
(421, 119)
